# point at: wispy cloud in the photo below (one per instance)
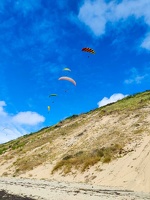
(135, 77)
(15, 125)
(93, 14)
(146, 42)
(96, 14)
(2, 112)
(113, 98)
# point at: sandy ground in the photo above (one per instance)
(131, 172)
(127, 178)
(53, 190)
(115, 180)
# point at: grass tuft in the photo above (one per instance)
(83, 160)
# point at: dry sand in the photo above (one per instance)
(127, 178)
(130, 172)
(52, 190)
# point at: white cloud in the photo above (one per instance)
(13, 126)
(96, 14)
(93, 14)
(28, 118)
(113, 98)
(146, 42)
(137, 80)
(135, 77)
(127, 8)
(10, 132)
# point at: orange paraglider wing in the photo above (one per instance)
(87, 49)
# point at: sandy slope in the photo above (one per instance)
(129, 172)
(132, 171)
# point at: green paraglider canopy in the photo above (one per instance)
(52, 95)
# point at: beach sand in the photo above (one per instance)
(54, 190)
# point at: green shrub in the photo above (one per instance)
(3, 150)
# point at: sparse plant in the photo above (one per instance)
(90, 162)
(2, 150)
(72, 117)
(138, 131)
(5, 174)
(83, 160)
(67, 157)
(106, 159)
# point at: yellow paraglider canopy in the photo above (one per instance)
(67, 69)
(48, 107)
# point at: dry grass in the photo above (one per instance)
(28, 163)
(83, 160)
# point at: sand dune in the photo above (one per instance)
(125, 176)
(130, 172)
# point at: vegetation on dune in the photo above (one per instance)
(2, 150)
(128, 103)
(28, 163)
(77, 142)
(83, 160)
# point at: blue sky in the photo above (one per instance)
(39, 38)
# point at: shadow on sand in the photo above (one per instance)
(6, 196)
